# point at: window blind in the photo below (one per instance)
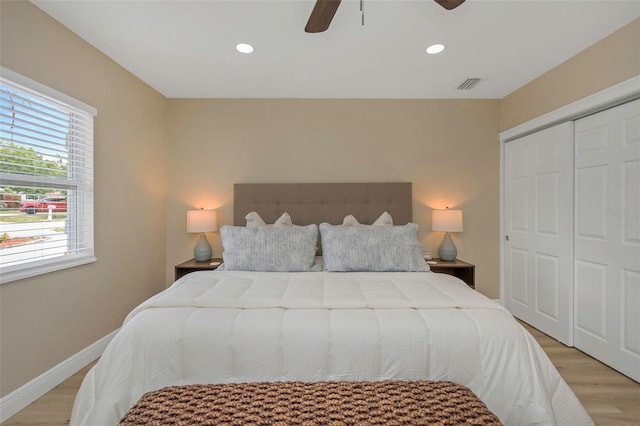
(46, 180)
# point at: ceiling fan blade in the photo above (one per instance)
(449, 4)
(321, 15)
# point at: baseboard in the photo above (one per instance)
(29, 392)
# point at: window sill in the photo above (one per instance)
(20, 272)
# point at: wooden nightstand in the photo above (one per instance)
(458, 268)
(192, 266)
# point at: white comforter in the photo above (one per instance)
(224, 327)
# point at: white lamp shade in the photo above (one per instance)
(202, 220)
(447, 220)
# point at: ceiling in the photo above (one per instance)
(186, 49)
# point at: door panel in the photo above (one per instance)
(631, 222)
(539, 225)
(631, 313)
(547, 282)
(548, 188)
(519, 268)
(591, 298)
(607, 237)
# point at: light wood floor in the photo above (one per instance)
(608, 396)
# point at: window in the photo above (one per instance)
(46, 179)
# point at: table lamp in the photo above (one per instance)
(202, 221)
(447, 220)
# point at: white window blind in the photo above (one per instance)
(46, 179)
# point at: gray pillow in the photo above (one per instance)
(372, 248)
(269, 248)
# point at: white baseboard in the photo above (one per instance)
(29, 392)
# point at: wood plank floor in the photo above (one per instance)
(608, 396)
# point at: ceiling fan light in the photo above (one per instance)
(435, 48)
(244, 48)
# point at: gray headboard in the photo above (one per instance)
(309, 203)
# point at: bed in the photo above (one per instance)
(345, 316)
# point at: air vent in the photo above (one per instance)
(468, 84)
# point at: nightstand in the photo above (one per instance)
(192, 266)
(458, 268)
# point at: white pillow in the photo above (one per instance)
(254, 219)
(385, 219)
(350, 221)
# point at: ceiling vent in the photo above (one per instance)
(468, 84)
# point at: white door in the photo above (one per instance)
(538, 222)
(607, 237)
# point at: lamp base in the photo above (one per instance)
(447, 250)
(202, 252)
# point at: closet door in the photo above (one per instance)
(538, 222)
(607, 237)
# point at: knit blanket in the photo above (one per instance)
(311, 404)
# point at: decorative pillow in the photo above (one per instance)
(254, 219)
(385, 219)
(269, 248)
(350, 221)
(372, 248)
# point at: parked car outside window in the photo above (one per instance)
(32, 207)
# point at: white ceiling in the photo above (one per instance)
(186, 49)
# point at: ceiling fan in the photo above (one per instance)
(323, 12)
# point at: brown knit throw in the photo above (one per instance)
(321, 403)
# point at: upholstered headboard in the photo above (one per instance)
(309, 203)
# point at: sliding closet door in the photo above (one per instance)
(538, 221)
(607, 237)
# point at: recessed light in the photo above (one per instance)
(244, 48)
(435, 48)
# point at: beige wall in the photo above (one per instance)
(610, 61)
(46, 319)
(448, 148)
